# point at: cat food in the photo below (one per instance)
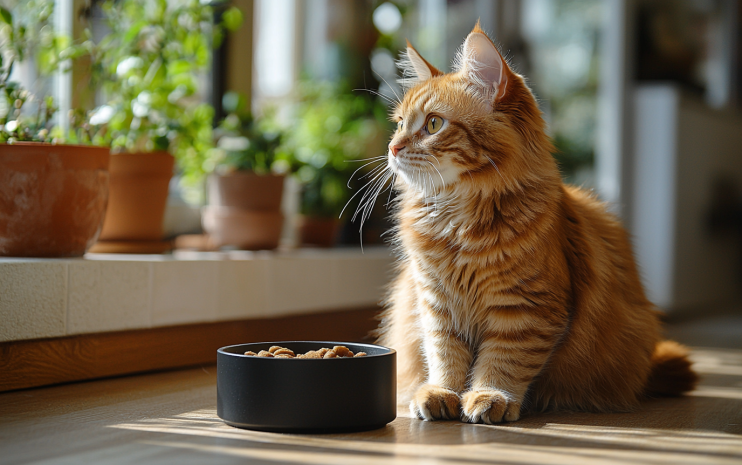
(283, 352)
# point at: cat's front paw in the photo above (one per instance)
(433, 402)
(489, 406)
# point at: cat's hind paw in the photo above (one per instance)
(489, 406)
(433, 402)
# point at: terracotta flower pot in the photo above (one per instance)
(52, 198)
(247, 190)
(241, 228)
(318, 232)
(139, 189)
(244, 210)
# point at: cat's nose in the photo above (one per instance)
(396, 148)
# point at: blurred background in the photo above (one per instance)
(642, 98)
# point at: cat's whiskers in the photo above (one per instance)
(443, 183)
(360, 190)
(369, 198)
(496, 168)
(382, 187)
(399, 99)
(388, 99)
(368, 207)
(375, 170)
(435, 195)
(373, 160)
(391, 189)
(434, 158)
(366, 159)
(424, 195)
(371, 190)
(432, 183)
(369, 195)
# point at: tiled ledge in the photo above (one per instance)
(42, 298)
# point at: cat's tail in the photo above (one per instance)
(671, 373)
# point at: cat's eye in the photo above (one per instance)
(400, 124)
(434, 124)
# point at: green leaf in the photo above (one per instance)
(177, 67)
(6, 16)
(232, 18)
(133, 32)
(47, 60)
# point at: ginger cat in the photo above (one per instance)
(515, 292)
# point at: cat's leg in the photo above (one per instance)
(400, 330)
(509, 357)
(448, 358)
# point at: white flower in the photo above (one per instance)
(139, 110)
(177, 94)
(141, 105)
(127, 64)
(186, 21)
(145, 98)
(234, 144)
(150, 38)
(11, 126)
(102, 115)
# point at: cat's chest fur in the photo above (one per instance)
(460, 263)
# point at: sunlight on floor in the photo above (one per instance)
(714, 361)
(700, 428)
(408, 440)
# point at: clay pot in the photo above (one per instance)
(318, 232)
(244, 210)
(240, 228)
(139, 188)
(52, 198)
(247, 190)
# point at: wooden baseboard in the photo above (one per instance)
(41, 362)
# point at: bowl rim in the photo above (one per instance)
(223, 350)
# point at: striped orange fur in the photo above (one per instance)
(514, 292)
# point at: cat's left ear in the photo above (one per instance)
(484, 66)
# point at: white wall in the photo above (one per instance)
(680, 148)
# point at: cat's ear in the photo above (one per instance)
(415, 68)
(483, 65)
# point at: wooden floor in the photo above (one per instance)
(170, 417)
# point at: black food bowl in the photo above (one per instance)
(306, 395)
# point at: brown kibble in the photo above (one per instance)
(342, 351)
(284, 351)
(324, 352)
(310, 354)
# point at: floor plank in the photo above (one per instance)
(170, 417)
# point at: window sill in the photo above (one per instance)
(45, 298)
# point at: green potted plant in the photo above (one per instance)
(245, 187)
(52, 195)
(149, 66)
(333, 128)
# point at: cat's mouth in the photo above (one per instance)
(424, 172)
